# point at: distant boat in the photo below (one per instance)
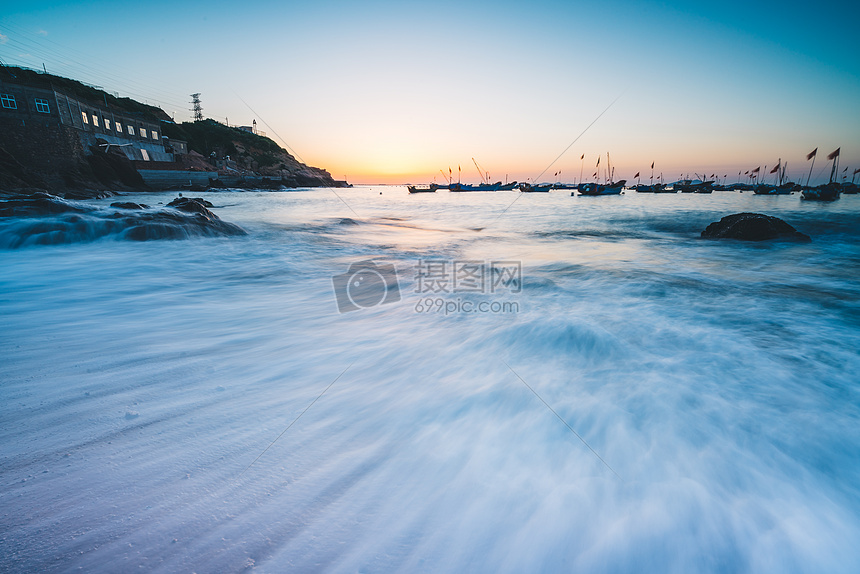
(508, 186)
(827, 192)
(416, 189)
(693, 186)
(478, 187)
(612, 188)
(765, 189)
(529, 188)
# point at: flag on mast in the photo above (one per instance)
(652, 165)
(582, 157)
(811, 154)
(834, 154)
(598, 160)
(637, 175)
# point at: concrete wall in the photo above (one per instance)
(50, 151)
(171, 178)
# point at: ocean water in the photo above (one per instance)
(602, 392)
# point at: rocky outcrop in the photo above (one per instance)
(752, 227)
(44, 219)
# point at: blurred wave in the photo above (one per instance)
(209, 409)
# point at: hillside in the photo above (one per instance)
(48, 155)
(250, 151)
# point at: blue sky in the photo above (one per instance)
(395, 91)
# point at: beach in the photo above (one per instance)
(598, 390)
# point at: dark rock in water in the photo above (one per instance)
(37, 204)
(348, 221)
(88, 194)
(752, 227)
(129, 205)
(185, 203)
(43, 219)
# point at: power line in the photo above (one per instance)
(272, 129)
(62, 59)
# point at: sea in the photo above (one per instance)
(373, 381)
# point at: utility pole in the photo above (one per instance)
(197, 107)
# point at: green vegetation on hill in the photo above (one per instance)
(81, 91)
(209, 136)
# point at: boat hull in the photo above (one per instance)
(824, 193)
(595, 189)
(457, 187)
(417, 189)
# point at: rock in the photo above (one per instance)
(38, 204)
(43, 219)
(129, 205)
(752, 227)
(186, 203)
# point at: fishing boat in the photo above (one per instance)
(508, 186)
(485, 184)
(479, 187)
(612, 188)
(827, 192)
(529, 188)
(780, 186)
(609, 188)
(417, 189)
(693, 186)
(784, 189)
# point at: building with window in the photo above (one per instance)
(138, 137)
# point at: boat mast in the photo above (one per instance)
(608, 169)
(480, 172)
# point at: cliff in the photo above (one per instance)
(250, 153)
(43, 152)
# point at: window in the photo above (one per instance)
(42, 106)
(154, 135)
(118, 127)
(8, 101)
(144, 154)
(142, 133)
(85, 118)
(131, 130)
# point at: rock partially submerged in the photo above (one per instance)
(129, 205)
(752, 227)
(43, 219)
(189, 203)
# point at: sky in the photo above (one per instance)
(395, 92)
